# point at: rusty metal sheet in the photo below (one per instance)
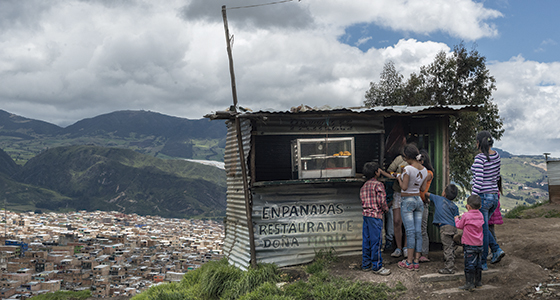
(553, 171)
(294, 125)
(292, 223)
(385, 110)
(236, 243)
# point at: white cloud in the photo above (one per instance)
(528, 96)
(88, 58)
(464, 19)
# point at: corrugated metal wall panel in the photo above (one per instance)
(293, 222)
(553, 171)
(236, 243)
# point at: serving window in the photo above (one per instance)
(323, 157)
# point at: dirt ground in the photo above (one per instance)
(530, 269)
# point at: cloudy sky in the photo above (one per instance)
(65, 60)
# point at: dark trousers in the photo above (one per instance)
(371, 243)
(473, 258)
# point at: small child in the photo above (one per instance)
(444, 214)
(471, 222)
(374, 205)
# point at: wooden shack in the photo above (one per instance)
(293, 177)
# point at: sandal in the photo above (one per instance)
(424, 259)
(404, 264)
(416, 266)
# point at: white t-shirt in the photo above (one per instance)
(415, 180)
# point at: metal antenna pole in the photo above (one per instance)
(248, 204)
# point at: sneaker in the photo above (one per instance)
(388, 247)
(365, 269)
(423, 259)
(446, 271)
(397, 253)
(404, 264)
(496, 257)
(383, 272)
(484, 267)
(405, 252)
(416, 266)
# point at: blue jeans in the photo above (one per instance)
(473, 259)
(371, 243)
(389, 229)
(412, 208)
(489, 205)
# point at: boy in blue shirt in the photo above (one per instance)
(444, 217)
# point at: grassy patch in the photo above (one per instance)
(64, 295)
(220, 280)
(516, 212)
(537, 210)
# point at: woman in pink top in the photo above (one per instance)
(471, 223)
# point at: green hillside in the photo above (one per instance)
(524, 181)
(91, 178)
(145, 132)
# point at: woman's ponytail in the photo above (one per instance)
(485, 142)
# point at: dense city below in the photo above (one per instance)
(109, 253)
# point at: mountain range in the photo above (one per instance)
(142, 131)
(114, 162)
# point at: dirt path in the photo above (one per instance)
(532, 249)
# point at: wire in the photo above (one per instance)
(271, 3)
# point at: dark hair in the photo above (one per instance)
(500, 184)
(474, 201)
(451, 191)
(485, 142)
(411, 152)
(426, 160)
(370, 168)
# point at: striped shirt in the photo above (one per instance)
(373, 195)
(485, 174)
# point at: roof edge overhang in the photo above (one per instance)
(378, 110)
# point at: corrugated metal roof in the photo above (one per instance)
(401, 109)
(397, 110)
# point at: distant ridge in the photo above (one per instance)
(24, 127)
(7, 165)
(91, 178)
(147, 123)
(503, 153)
(146, 132)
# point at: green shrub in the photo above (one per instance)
(266, 291)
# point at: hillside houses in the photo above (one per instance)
(109, 253)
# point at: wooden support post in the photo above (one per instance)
(248, 202)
